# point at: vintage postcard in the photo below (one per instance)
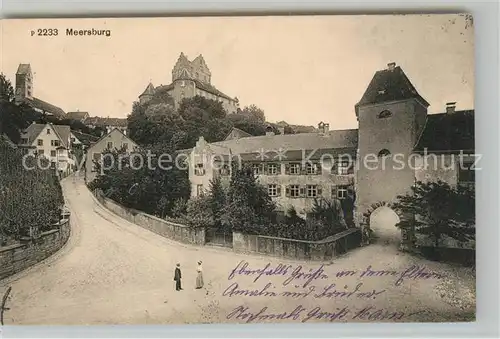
(246, 169)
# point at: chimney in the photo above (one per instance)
(321, 126)
(201, 142)
(391, 66)
(450, 107)
(326, 127)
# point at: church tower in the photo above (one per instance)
(24, 83)
(391, 115)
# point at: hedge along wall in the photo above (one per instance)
(325, 249)
(167, 229)
(15, 258)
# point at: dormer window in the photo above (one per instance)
(384, 114)
(384, 153)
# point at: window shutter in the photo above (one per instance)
(303, 169)
(287, 191)
(287, 168)
(265, 169)
(278, 190)
(319, 168)
(320, 191)
(334, 192)
(278, 168)
(302, 191)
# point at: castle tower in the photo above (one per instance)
(24, 83)
(147, 94)
(391, 115)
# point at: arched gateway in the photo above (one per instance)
(380, 222)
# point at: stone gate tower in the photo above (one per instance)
(391, 115)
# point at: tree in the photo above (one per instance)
(437, 209)
(329, 213)
(217, 201)
(28, 198)
(249, 207)
(203, 117)
(13, 117)
(152, 185)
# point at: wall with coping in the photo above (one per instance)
(18, 257)
(167, 229)
(321, 250)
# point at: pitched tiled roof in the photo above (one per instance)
(23, 69)
(389, 85)
(150, 90)
(98, 121)
(448, 132)
(33, 131)
(46, 107)
(242, 133)
(7, 140)
(77, 115)
(210, 89)
(339, 139)
(84, 138)
(64, 134)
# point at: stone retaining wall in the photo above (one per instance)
(15, 258)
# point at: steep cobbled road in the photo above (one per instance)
(114, 272)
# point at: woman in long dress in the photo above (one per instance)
(199, 277)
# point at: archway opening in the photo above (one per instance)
(383, 222)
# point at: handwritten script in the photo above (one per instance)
(317, 285)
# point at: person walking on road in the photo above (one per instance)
(177, 278)
(199, 277)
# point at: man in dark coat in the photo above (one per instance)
(177, 278)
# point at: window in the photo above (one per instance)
(41, 152)
(384, 114)
(55, 143)
(312, 168)
(466, 173)
(294, 169)
(40, 142)
(340, 192)
(294, 191)
(273, 190)
(312, 191)
(199, 169)
(125, 146)
(110, 145)
(72, 139)
(384, 153)
(52, 153)
(256, 169)
(48, 130)
(24, 141)
(272, 169)
(225, 170)
(53, 165)
(343, 167)
(199, 190)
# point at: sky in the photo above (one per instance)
(301, 69)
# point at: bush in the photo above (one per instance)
(199, 212)
(436, 209)
(28, 198)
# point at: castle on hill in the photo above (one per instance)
(189, 79)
